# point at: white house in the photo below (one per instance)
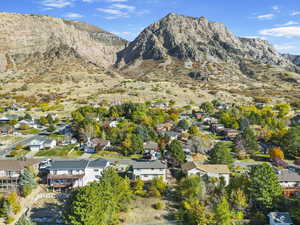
(209, 170)
(40, 143)
(64, 174)
(288, 178)
(279, 218)
(147, 170)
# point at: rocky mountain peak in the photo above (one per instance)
(198, 40)
(26, 39)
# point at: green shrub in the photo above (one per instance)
(26, 190)
(10, 220)
(158, 206)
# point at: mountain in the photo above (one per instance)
(42, 42)
(199, 42)
(293, 58)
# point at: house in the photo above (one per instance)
(167, 126)
(96, 144)
(30, 123)
(151, 146)
(230, 133)
(217, 128)
(208, 170)
(171, 134)
(6, 130)
(40, 143)
(8, 118)
(10, 171)
(289, 181)
(15, 107)
(158, 105)
(147, 170)
(67, 174)
(279, 218)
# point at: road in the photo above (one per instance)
(26, 141)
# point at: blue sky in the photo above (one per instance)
(277, 21)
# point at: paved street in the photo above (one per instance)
(26, 141)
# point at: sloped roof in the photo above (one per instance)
(17, 165)
(208, 168)
(288, 176)
(148, 165)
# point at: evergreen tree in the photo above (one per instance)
(264, 187)
(291, 142)
(183, 124)
(222, 212)
(249, 140)
(221, 154)
(176, 151)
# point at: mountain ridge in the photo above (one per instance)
(197, 39)
(27, 38)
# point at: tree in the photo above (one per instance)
(157, 186)
(200, 144)
(283, 110)
(27, 182)
(207, 107)
(14, 202)
(291, 142)
(221, 154)
(249, 140)
(183, 124)
(264, 187)
(138, 187)
(100, 202)
(222, 212)
(27, 116)
(176, 151)
(276, 153)
(191, 187)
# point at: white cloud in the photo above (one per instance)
(123, 6)
(295, 13)
(88, 1)
(292, 31)
(289, 23)
(276, 8)
(284, 47)
(56, 3)
(265, 16)
(73, 15)
(116, 0)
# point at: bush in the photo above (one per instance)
(18, 147)
(158, 206)
(26, 190)
(10, 220)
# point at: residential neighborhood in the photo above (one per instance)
(158, 151)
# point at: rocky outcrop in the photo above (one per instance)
(197, 39)
(293, 58)
(28, 38)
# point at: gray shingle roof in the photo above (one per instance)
(98, 163)
(288, 176)
(68, 164)
(148, 165)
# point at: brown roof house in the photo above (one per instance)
(289, 181)
(208, 170)
(10, 171)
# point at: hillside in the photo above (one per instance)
(35, 41)
(293, 58)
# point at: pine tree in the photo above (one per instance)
(222, 212)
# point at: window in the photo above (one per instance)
(70, 172)
(55, 172)
(96, 170)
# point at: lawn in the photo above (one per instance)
(60, 151)
(18, 153)
(30, 131)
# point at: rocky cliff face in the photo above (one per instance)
(293, 58)
(198, 40)
(26, 39)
